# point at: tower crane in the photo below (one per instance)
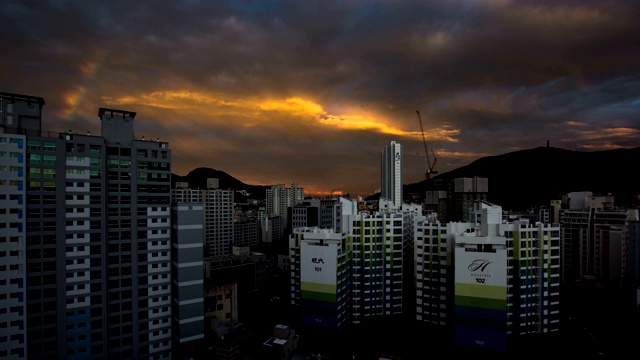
(430, 166)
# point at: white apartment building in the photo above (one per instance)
(24, 112)
(391, 173)
(320, 276)
(487, 280)
(13, 281)
(218, 216)
(372, 258)
(381, 246)
(280, 198)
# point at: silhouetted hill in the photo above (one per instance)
(197, 179)
(517, 180)
(522, 179)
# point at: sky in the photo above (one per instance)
(275, 92)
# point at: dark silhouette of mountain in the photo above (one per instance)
(197, 179)
(523, 179)
(517, 180)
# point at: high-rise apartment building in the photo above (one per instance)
(218, 216)
(280, 199)
(15, 110)
(463, 192)
(13, 289)
(593, 234)
(272, 230)
(321, 276)
(488, 280)
(550, 214)
(97, 238)
(633, 253)
(365, 269)
(246, 232)
(391, 173)
(218, 229)
(323, 213)
(381, 244)
(188, 278)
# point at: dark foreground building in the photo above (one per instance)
(94, 229)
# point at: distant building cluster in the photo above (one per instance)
(103, 257)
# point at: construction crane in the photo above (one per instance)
(430, 166)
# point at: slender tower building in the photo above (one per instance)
(391, 173)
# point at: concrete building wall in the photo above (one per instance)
(391, 173)
(22, 112)
(219, 228)
(380, 242)
(246, 233)
(13, 281)
(474, 185)
(106, 284)
(587, 235)
(280, 198)
(506, 276)
(319, 265)
(188, 289)
(632, 253)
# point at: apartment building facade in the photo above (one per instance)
(391, 179)
(97, 239)
(488, 280)
(594, 238)
(218, 216)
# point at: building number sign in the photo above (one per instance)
(317, 261)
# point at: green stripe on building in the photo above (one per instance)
(481, 291)
(320, 296)
(478, 302)
(318, 287)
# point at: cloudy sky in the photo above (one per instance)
(274, 92)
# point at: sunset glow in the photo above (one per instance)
(276, 92)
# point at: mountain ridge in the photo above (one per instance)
(197, 179)
(533, 177)
(518, 180)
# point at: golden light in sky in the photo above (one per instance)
(312, 93)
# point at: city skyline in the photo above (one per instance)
(280, 92)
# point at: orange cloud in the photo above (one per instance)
(574, 123)
(215, 109)
(295, 105)
(607, 146)
(72, 99)
(565, 17)
(607, 133)
(459, 155)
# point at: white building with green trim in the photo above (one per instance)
(320, 262)
(488, 280)
(381, 247)
(345, 278)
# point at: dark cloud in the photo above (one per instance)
(311, 91)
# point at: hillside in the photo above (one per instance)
(517, 180)
(197, 179)
(522, 179)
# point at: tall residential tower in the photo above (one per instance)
(15, 110)
(97, 236)
(391, 173)
(488, 280)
